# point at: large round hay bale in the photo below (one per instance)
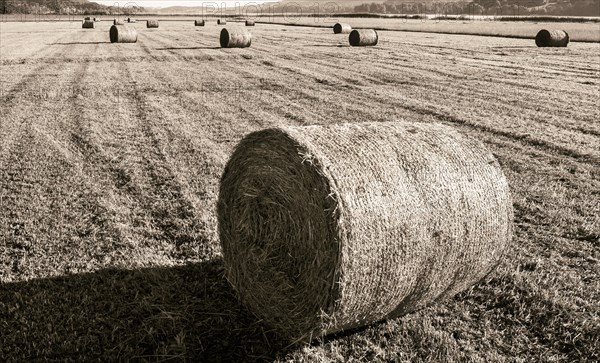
(363, 37)
(87, 18)
(117, 22)
(88, 24)
(123, 34)
(152, 24)
(328, 228)
(250, 23)
(341, 28)
(130, 20)
(235, 38)
(199, 22)
(221, 21)
(552, 38)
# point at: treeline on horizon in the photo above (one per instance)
(449, 8)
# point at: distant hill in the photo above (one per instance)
(60, 7)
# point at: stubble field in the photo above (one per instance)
(111, 154)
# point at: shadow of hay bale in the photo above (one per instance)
(188, 313)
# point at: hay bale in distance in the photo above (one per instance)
(199, 22)
(222, 22)
(130, 20)
(250, 23)
(552, 38)
(87, 18)
(118, 22)
(88, 24)
(235, 38)
(123, 34)
(341, 28)
(328, 228)
(363, 37)
(152, 24)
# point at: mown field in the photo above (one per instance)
(111, 154)
(578, 31)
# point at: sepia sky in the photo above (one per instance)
(167, 3)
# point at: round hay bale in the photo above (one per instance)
(117, 22)
(250, 23)
(328, 228)
(130, 20)
(152, 24)
(363, 37)
(88, 24)
(235, 38)
(87, 18)
(123, 34)
(341, 28)
(199, 22)
(552, 38)
(221, 22)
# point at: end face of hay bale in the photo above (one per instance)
(235, 38)
(322, 233)
(199, 23)
(341, 28)
(122, 34)
(152, 24)
(221, 22)
(88, 24)
(250, 23)
(552, 38)
(363, 37)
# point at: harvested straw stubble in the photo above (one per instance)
(88, 24)
(328, 228)
(363, 37)
(341, 28)
(123, 34)
(552, 38)
(152, 24)
(235, 38)
(199, 22)
(250, 23)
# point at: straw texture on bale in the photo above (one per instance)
(341, 28)
(199, 22)
(221, 21)
(552, 38)
(328, 228)
(88, 24)
(123, 34)
(363, 37)
(152, 24)
(250, 23)
(235, 38)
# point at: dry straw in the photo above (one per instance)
(552, 38)
(221, 22)
(250, 23)
(363, 37)
(199, 22)
(341, 28)
(123, 34)
(88, 24)
(235, 38)
(328, 228)
(152, 24)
